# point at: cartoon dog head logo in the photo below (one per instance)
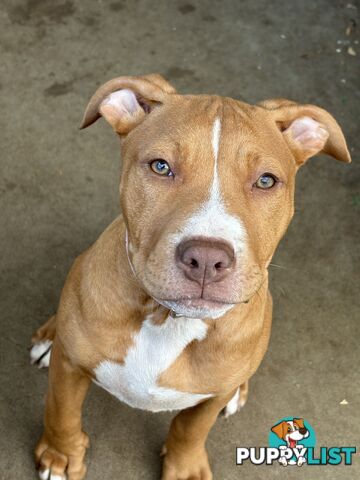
(292, 436)
(292, 441)
(291, 431)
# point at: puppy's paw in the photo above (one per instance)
(238, 401)
(233, 406)
(40, 353)
(47, 475)
(186, 465)
(55, 465)
(301, 461)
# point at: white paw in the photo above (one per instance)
(40, 354)
(47, 475)
(301, 461)
(283, 461)
(44, 474)
(234, 405)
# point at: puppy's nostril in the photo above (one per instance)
(205, 260)
(194, 263)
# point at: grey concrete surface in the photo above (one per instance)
(59, 190)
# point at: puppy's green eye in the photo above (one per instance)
(161, 167)
(265, 181)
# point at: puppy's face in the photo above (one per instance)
(207, 192)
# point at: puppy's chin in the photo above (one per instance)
(197, 308)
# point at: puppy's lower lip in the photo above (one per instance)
(193, 307)
(198, 302)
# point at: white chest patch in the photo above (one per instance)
(155, 348)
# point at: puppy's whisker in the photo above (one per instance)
(277, 266)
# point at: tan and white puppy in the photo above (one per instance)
(170, 308)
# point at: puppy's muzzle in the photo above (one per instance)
(205, 260)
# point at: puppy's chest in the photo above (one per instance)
(155, 349)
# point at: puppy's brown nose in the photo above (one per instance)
(205, 260)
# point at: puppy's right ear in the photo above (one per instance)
(125, 101)
(279, 430)
(308, 130)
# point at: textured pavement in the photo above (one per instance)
(59, 190)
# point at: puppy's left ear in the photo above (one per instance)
(308, 130)
(124, 102)
(279, 429)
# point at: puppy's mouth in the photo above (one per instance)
(292, 443)
(199, 307)
(196, 307)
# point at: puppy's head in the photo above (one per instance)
(207, 186)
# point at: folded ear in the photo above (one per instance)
(125, 101)
(299, 422)
(279, 429)
(308, 130)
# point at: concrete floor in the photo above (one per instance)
(59, 190)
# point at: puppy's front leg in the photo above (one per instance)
(61, 450)
(184, 450)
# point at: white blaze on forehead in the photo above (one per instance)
(216, 139)
(212, 218)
